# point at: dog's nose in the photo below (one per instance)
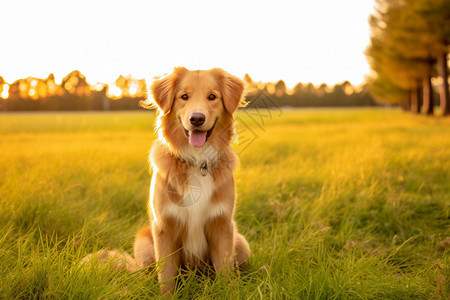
(197, 119)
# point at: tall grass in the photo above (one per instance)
(336, 204)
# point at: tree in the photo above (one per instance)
(250, 85)
(385, 87)
(436, 15)
(405, 46)
(280, 89)
(75, 83)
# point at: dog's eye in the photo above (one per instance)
(211, 97)
(184, 97)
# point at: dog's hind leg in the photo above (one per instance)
(144, 248)
(242, 249)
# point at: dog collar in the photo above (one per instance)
(203, 166)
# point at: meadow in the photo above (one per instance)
(335, 203)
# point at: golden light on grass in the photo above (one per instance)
(355, 191)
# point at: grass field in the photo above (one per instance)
(336, 204)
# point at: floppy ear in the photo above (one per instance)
(232, 90)
(163, 93)
(163, 90)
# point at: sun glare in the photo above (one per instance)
(133, 89)
(98, 86)
(31, 93)
(114, 91)
(298, 51)
(5, 91)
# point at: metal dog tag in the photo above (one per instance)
(204, 169)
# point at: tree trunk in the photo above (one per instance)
(428, 104)
(415, 100)
(105, 100)
(444, 91)
(408, 102)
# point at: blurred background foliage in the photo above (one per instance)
(75, 93)
(408, 54)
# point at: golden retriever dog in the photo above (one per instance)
(192, 191)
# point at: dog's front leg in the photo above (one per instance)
(220, 234)
(168, 254)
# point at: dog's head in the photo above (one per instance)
(194, 105)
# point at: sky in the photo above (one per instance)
(298, 41)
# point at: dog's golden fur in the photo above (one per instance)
(192, 192)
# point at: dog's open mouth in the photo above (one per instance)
(198, 138)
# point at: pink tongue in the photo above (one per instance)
(197, 138)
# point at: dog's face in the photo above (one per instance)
(198, 105)
(197, 102)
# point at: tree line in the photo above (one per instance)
(307, 94)
(75, 93)
(409, 54)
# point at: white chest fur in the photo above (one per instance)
(193, 214)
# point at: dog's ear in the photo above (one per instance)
(232, 90)
(163, 91)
